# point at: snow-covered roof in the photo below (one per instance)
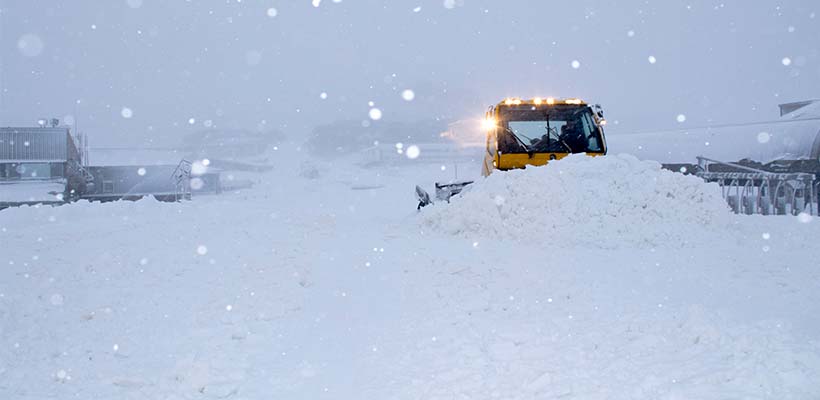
(21, 192)
(134, 156)
(795, 136)
(811, 109)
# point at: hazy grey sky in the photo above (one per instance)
(232, 63)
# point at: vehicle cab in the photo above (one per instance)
(536, 131)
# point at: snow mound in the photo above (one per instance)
(605, 202)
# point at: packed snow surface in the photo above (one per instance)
(585, 201)
(330, 285)
(31, 191)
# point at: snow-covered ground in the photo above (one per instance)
(622, 282)
(20, 192)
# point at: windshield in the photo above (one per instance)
(560, 128)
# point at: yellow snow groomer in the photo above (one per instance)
(532, 132)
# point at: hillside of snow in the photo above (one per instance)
(590, 278)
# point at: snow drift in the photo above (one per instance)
(603, 201)
(308, 288)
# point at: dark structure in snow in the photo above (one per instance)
(49, 165)
(165, 182)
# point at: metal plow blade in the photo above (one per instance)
(444, 191)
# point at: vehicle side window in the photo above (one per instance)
(591, 133)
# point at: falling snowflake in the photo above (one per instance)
(202, 250)
(199, 167)
(375, 114)
(56, 299)
(126, 112)
(681, 118)
(30, 45)
(408, 95)
(763, 137)
(652, 59)
(413, 152)
(272, 12)
(197, 183)
(141, 171)
(576, 64)
(786, 61)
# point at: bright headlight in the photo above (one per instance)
(488, 123)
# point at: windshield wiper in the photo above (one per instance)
(518, 139)
(549, 130)
(566, 145)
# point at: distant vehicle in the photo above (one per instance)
(533, 132)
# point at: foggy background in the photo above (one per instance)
(176, 66)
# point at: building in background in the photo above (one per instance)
(133, 183)
(768, 167)
(794, 136)
(40, 165)
(134, 173)
(49, 165)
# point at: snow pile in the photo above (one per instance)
(605, 202)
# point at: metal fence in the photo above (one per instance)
(753, 191)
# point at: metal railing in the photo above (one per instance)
(755, 191)
(182, 180)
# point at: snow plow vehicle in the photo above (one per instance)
(533, 132)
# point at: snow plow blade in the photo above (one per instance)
(444, 191)
(424, 198)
